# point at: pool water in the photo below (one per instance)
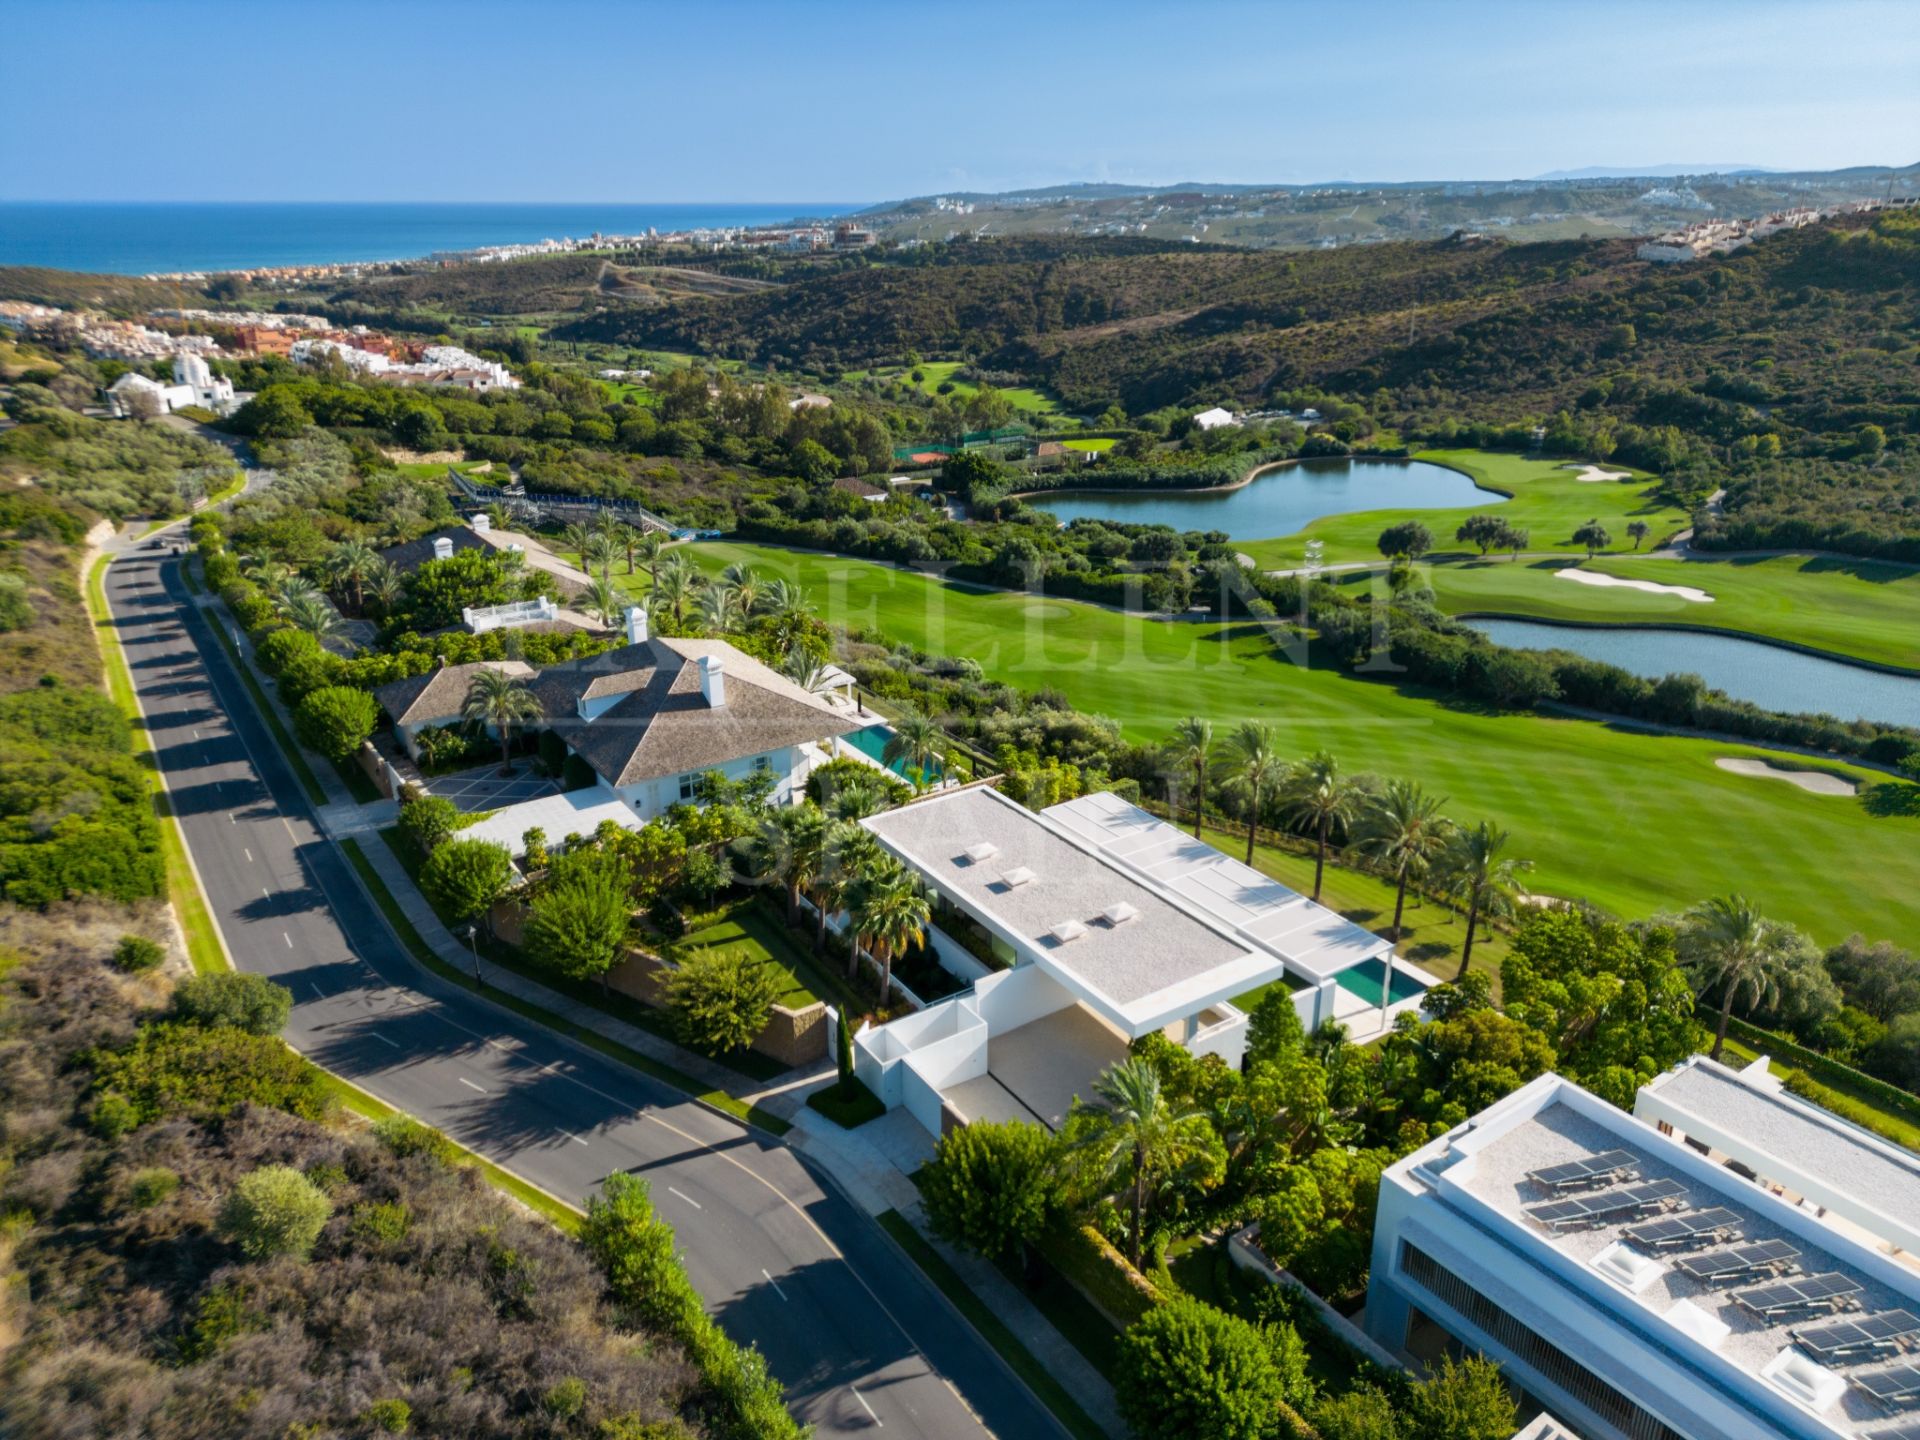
(1364, 980)
(872, 742)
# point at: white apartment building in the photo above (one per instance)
(1729, 1263)
(194, 383)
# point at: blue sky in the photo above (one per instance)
(550, 100)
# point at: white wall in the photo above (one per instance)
(1017, 997)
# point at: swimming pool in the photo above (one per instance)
(872, 742)
(1364, 980)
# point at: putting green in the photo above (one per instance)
(1548, 502)
(1863, 608)
(1637, 823)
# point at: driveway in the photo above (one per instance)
(485, 788)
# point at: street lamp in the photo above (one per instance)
(473, 944)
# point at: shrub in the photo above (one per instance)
(391, 1416)
(174, 1069)
(383, 1223)
(992, 1187)
(404, 1136)
(565, 1399)
(464, 877)
(428, 819)
(720, 998)
(1187, 1371)
(336, 720)
(149, 1187)
(274, 1211)
(136, 953)
(277, 651)
(220, 1314)
(251, 1003)
(1467, 1401)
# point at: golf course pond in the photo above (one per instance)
(1282, 500)
(1770, 676)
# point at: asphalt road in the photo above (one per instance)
(856, 1333)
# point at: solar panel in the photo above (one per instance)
(1895, 1386)
(1740, 1262)
(1829, 1290)
(1899, 1430)
(1874, 1334)
(1688, 1230)
(1641, 1199)
(1588, 1171)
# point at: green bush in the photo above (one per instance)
(720, 998)
(175, 1069)
(136, 953)
(149, 1187)
(391, 1417)
(251, 1003)
(428, 819)
(992, 1187)
(381, 1223)
(1187, 1371)
(463, 878)
(336, 720)
(565, 1399)
(404, 1136)
(275, 1211)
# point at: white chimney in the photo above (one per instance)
(713, 680)
(636, 625)
(481, 523)
(442, 548)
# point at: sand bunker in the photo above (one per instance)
(1593, 577)
(1594, 475)
(1817, 781)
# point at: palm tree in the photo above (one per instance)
(1729, 946)
(578, 537)
(675, 584)
(788, 847)
(351, 563)
(721, 610)
(890, 913)
(1317, 797)
(1192, 749)
(745, 585)
(384, 585)
(790, 609)
(1476, 872)
(1133, 1126)
(267, 574)
(916, 743)
(605, 599)
(603, 549)
(502, 701)
(647, 544)
(1253, 767)
(848, 852)
(292, 591)
(312, 612)
(1405, 831)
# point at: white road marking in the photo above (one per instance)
(288, 938)
(688, 1198)
(248, 853)
(471, 1086)
(778, 1291)
(878, 1423)
(573, 1137)
(383, 1039)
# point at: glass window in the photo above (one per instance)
(686, 787)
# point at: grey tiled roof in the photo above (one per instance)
(439, 694)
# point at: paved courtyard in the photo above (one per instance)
(485, 788)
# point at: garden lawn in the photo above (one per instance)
(1864, 608)
(1547, 502)
(934, 374)
(1632, 821)
(747, 927)
(1093, 445)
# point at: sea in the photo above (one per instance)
(112, 237)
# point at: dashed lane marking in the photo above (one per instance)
(470, 1085)
(878, 1423)
(688, 1198)
(778, 1291)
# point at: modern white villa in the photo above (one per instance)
(1728, 1263)
(1104, 924)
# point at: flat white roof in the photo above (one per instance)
(1165, 962)
(1483, 1170)
(1316, 943)
(577, 812)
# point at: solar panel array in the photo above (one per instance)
(1740, 1262)
(1900, 1430)
(1874, 1334)
(1895, 1386)
(1588, 1171)
(1687, 1230)
(1641, 1199)
(1829, 1290)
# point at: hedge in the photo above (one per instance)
(1825, 1067)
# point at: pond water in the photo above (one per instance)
(1281, 501)
(1768, 675)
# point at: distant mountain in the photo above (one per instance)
(1653, 172)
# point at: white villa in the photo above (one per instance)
(1106, 924)
(1727, 1263)
(1215, 418)
(194, 383)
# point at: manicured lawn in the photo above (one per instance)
(1637, 823)
(938, 372)
(1865, 608)
(1547, 501)
(745, 926)
(1094, 445)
